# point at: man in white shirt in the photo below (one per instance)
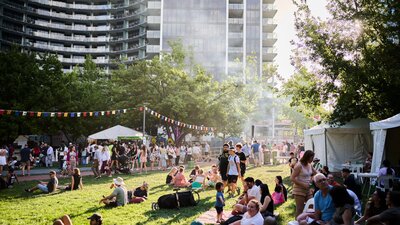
(96, 162)
(233, 171)
(49, 156)
(207, 152)
(254, 191)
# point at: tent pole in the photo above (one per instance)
(326, 152)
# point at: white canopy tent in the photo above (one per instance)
(385, 133)
(114, 132)
(337, 145)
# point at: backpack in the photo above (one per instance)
(176, 200)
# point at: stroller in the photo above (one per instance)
(41, 161)
(123, 161)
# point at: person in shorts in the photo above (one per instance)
(220, 201)
(233, 171)
(242, 158)
(46, 187)
(26, 160)
(223, 164)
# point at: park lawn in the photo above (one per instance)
(19, 207)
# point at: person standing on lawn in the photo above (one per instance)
(233, 171)
(26, 159)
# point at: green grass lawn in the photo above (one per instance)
(19, 207)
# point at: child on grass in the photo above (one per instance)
(220, 201)
(277, 196)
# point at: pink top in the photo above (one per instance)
(180, 180)
(278, 198)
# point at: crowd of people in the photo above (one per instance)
(337, 200)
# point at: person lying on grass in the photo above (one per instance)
(95, 219)
(46, 187)
(139, 194)
(119, 197)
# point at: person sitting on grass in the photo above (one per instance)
(277, 196)
(119, 197)
(199, 180)
(194, 173)
(11, 178)
(46, 187)
(139, 194)
(76, 181)
(213, 176)
(180, 179)
(95, 219)
(279, 182)
(171, 175)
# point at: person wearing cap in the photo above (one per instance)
(119, 197)
(317, 165)
(233, 172)
(46, 187)
(95, 219)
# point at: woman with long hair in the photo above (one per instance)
(143, 158)
(267, 204)
(279, 182)
(76, 181)
(344, 205)
(386, 170)
(301, 178)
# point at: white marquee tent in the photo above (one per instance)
(386, 134)
(337, 145)
(114, 132)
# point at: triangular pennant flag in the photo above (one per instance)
(45, 114)
(65, 114)
(96, 113)
(16, 113)
(84, 114)
(108, 113)
(31, 114)
(52, 114)
(90, 113)
(78, 114)
(9, 112)
(1, 111)
(102, 113)
(124, 110)
(24, 113)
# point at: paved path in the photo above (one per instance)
(42, 173)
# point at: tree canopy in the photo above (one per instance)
(349, 61)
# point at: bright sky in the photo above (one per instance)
(285, 31)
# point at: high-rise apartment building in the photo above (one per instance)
(221, 33)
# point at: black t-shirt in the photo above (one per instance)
(223, 161)
(77, 181)
(25, 152)
(140, 193)
(50, 184)
(242, 157)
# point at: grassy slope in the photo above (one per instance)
(18, 207)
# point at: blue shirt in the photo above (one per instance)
(255, 147)
(325, 205)
(219, 203)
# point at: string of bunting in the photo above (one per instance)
(64, 114)
(178, 123)
(100, 113)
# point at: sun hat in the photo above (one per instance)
(119, 181)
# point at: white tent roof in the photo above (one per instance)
(360, 123)
(114, 132)
(388, 123)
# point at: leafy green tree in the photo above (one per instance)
(352, 59)
(182, 92)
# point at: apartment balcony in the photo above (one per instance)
(70, 27)
(268, 1)
(130, 38)
(86, 7)
(81, 60)
(153, 7)
(68, 38)
(269, 25)
(153, 22)
(68, 49)
(235, 35)
(66, 16)
(236, 21)
(235, 50)
(153, 49)
(236, 10)
(153, 34)
(269, 39)
(269, 10)
(268, 54)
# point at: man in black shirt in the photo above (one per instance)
(46, 187)
(242, 158)
(26, 159)
(350, 182)
(223, 164)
